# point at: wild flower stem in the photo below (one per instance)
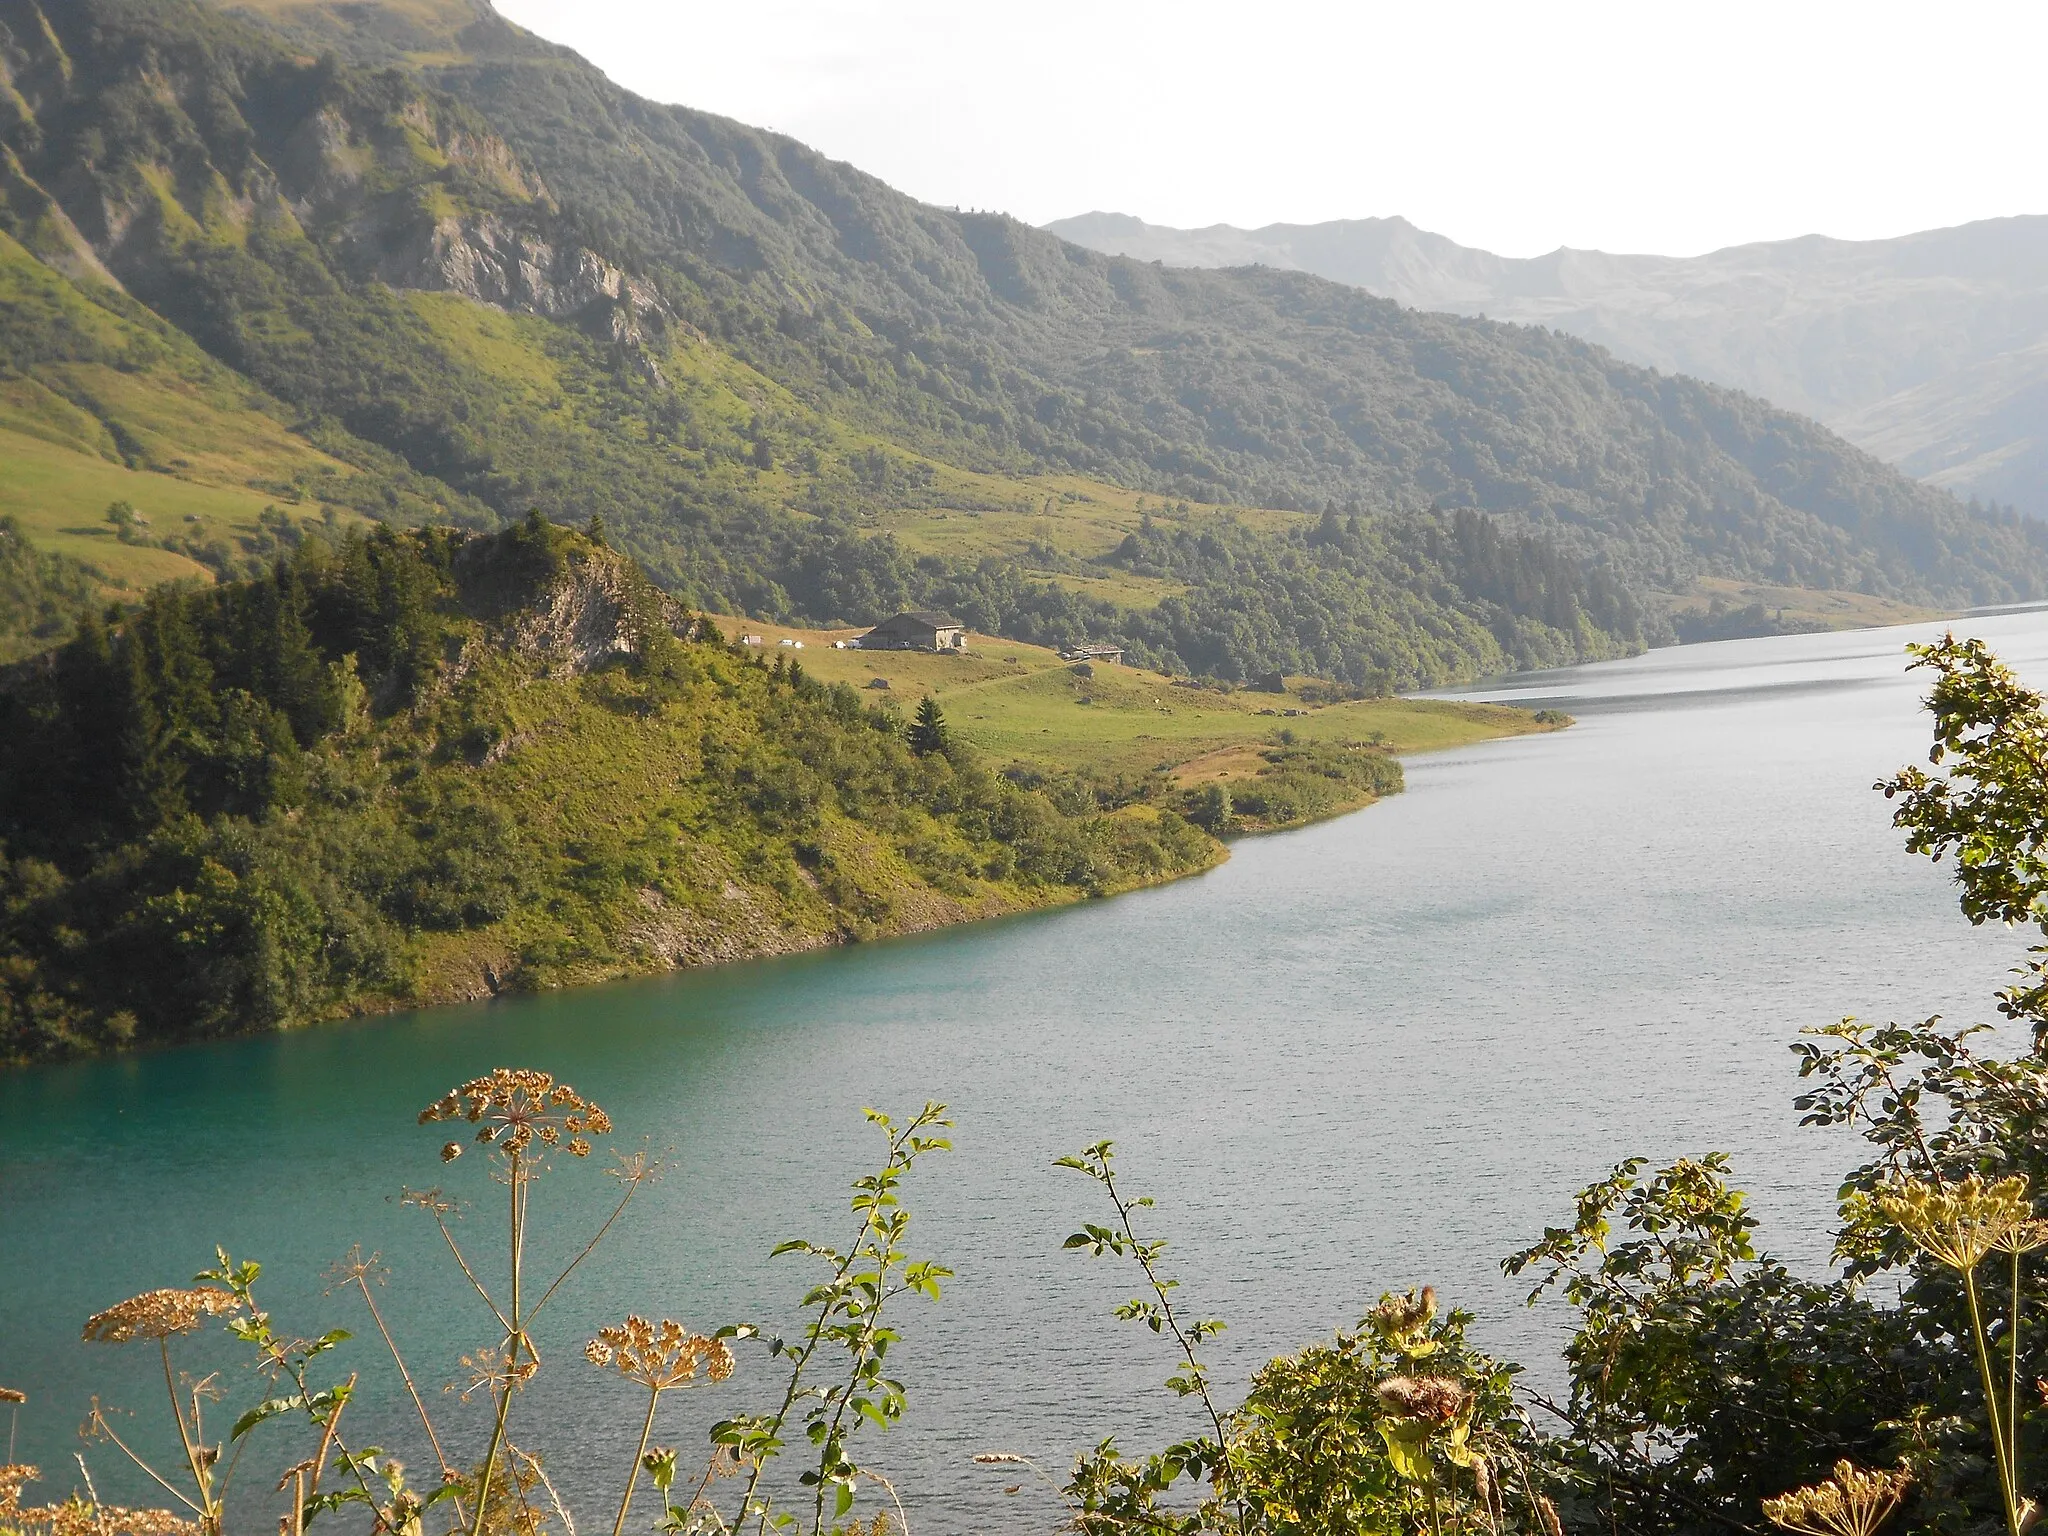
(2012, 1399)
(512, 1338)
(633, 1471)
(902, 1519)
(796, 1374)
(697, 1496)
(554, 1498)
(333, 1437)
(99, 1514)
(1991, 1405)
(898, 1139)
(184, 1438)
(632, 1188)
(99, 1422)
(468, 1273)
(330, 1432)
(405, 1375)
(872, 1323)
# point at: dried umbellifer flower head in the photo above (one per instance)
(9, 1395)
(1432, 1398)
(13, 1479)
(1853, 1502)
(659, 1355)
(1957, 1223)
(158, 1314)
(514, 1108)
(77, 1517)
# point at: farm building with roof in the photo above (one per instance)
(918, 631)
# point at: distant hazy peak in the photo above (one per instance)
(1390, 256)
(1083, 227)
(1930, 349)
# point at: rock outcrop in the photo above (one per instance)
(486, 259)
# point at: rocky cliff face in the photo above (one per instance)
(487, 259)
(397, 183)
(593, 610)
(580, 622)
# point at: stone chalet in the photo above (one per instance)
(921, 631)
(1109, 653)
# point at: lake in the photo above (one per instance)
(1372, 1053)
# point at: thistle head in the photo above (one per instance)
(1957, 1223)
(512, 1109)
(1853, 1502)
(159, 1314)
(1433, 1399)
(1403, 1321)
(659, 1355)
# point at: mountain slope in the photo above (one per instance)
(462, 248)
(414, 767)
(1256, 387)
(1930, 350)
(102, 402)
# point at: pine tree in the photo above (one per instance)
(928, 731)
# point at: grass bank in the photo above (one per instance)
(1133, 732)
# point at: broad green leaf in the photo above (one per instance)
(269, 1408)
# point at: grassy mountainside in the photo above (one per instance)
(415, 767)
(101, 401)
(479, 278)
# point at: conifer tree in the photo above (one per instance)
(928, 731)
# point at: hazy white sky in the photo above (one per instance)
(1670, 126)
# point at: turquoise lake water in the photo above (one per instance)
(1376, 1052)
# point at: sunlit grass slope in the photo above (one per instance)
(103, 403)
(1022, 704)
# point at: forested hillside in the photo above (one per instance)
(413, 767)
(1925, 349)
(474, 277)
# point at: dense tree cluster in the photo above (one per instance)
(257, 804)
(42, 595)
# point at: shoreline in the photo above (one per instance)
(482, 984)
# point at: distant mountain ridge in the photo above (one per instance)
(1929, 350)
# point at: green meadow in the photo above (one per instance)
(1022, 704)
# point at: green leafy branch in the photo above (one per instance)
(848, 1308)
(1200, 1456)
